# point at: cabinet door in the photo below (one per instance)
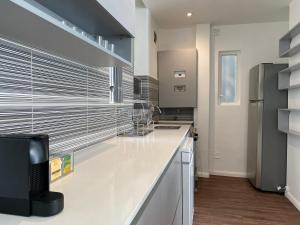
(171, 190)
(161, 207)
(123, 11)
(178, 215)
(152, 213)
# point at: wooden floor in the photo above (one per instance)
(233, 201)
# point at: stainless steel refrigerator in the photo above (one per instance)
(267, 147)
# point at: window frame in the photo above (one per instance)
(220, 66)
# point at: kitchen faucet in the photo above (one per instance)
(159, 110)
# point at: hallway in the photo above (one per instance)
(233, 201)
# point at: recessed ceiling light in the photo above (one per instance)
(189, 14)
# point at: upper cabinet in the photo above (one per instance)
(145, 50)
(92, 32)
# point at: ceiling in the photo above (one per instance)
(172, 13)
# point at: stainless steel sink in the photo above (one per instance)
(135, 133)
(167, 127)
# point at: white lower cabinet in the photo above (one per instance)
(164, 205)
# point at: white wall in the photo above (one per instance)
(202, 113)
(170, 39)
(293, 168)
(257, 43)
(141, 42)
(145, 50)
(224, 131)
(153, 47)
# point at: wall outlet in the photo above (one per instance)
(217, 155)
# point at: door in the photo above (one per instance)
(254, 153)
(230, 121)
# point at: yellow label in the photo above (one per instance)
(55, 165)
(67, 169)
(67, 164)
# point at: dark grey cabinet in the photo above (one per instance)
(177, 71)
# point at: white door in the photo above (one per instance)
(229, 115)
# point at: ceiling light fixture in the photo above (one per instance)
(189, 14)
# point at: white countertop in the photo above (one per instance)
(186, 122)
(111, 181)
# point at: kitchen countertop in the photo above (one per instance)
(111, 180)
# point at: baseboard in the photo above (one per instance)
(229, 174)
(203, 174)
(292, 199)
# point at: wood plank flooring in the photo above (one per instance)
(233, 201)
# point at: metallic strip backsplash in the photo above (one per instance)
(149, 89)
(127, 85)
(42, 93)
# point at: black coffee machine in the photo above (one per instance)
(24, 177)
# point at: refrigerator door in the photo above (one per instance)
(274, 142)
(254, 159)
(256, 83)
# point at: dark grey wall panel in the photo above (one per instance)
(127, 84)
(15, 89)
(56, 77)
(149, 89)
(124, 118)
(15, 119)
(102, 123)
(101, 117)
(15, 69)
(42, 93)
(62, 123)
(98, 81)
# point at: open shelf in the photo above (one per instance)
(293, 132)
(284, 78)
(88, 15)
(283, 121)
(285, 49)
(31, 23)
(291, 52)
(290, 110)
(292, 33)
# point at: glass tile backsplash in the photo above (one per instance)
(43, 93)
(149, 90)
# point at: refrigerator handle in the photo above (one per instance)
(221, 97)
(255, 101)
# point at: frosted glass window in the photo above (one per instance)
(228, 77)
